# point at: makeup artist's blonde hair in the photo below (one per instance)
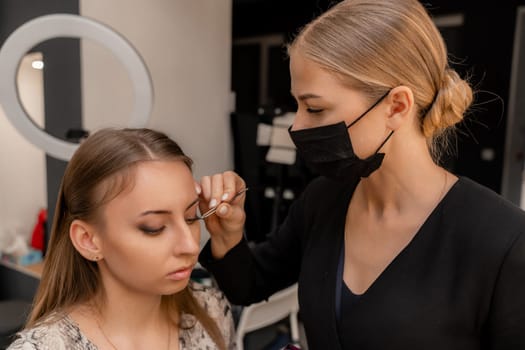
(375, 45)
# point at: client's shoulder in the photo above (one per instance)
(209, 297)
(56, 332)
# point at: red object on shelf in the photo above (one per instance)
(37, 238)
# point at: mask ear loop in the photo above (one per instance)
(378, 148)
(369, 109)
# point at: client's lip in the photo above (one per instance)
(180, 274)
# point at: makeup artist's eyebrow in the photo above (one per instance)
(307, 96)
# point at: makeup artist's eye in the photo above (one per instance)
(151, 230)
(314, 110)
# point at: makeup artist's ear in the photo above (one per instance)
(401, 107)
(85, 239)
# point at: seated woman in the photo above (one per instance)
(124, 241)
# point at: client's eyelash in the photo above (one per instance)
(151, 230)
(192, 220)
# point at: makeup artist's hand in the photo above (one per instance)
(227, 224)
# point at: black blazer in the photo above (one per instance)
(459, 284)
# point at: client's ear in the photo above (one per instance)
(85, 240)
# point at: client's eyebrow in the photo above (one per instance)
(192, 203)
(150, 212)
(163, 212)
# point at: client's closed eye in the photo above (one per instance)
(151, 230)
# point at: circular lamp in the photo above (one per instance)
(67, 26)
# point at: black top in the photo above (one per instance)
(348, 299)
(459, 284)
(345, 299)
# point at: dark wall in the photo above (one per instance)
(488, 45)
(61, 77)
(482, 47)
(259, 17)
(62, 107)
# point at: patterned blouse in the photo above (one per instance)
(64, 334)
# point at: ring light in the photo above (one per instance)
(67, 26)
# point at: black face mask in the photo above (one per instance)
(328, 150)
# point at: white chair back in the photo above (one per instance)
(279, 306)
